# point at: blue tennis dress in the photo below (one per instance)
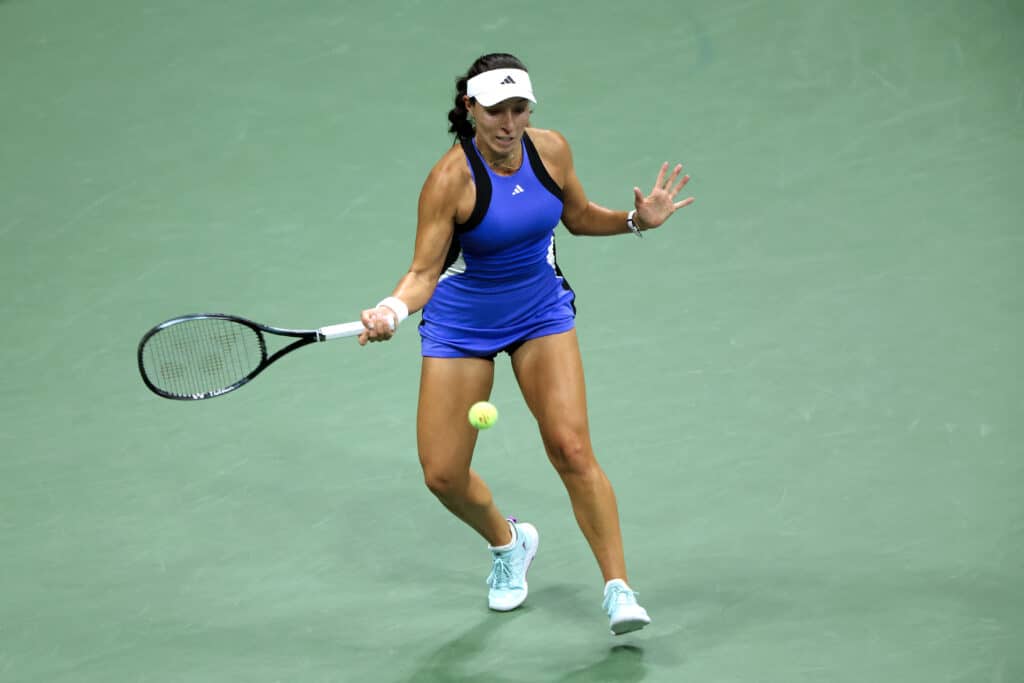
(500, 284)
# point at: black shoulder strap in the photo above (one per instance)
(539, 170)
(483, 187)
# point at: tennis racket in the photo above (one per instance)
(201, 356)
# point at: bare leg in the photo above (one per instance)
(550, 374)
(448, 387)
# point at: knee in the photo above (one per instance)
(444, 485)
(571, 454)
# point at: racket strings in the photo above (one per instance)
(201, 356)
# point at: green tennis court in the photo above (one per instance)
(805, 387)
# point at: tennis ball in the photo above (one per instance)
(483, 415)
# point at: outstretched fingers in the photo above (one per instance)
(672, 178)
(661, 176)
(662, 197)
(682, 183)
(663, 183)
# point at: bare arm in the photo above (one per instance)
(583, 217)
(435, 228)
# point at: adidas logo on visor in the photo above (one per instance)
(508, 81)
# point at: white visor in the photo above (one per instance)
(498, 85)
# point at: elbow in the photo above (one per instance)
(569, 227)
(427, 278)
(576, 218)
(425, 281)
(573, 224)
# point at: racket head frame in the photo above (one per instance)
(303, 338)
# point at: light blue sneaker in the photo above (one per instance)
(508, 574)
(624, 613)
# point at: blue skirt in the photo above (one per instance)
(463, 321)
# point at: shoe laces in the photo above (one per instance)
(501, 573)
(617, 595)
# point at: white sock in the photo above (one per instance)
(510, 544)
(619, 582)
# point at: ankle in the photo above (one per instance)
(616, 582)
(511, 539)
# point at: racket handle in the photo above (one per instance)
(352, 329)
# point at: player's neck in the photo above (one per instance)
(503, 164)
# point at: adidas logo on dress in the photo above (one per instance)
(517, 190)
(508, 81)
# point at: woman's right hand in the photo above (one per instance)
(379, 323)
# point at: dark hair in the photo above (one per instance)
(458, 117)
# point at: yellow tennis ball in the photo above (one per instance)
(483, 415)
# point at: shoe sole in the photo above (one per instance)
(628, 626)
(526, 585)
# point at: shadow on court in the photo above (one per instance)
(457, 660)
(462, 659)
(565, 600)
(448, 664)
(623, 664)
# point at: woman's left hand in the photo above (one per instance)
(655, 208)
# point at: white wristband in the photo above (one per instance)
(396, 305)
(631, 223)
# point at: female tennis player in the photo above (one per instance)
(484, 274)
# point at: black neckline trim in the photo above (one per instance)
(482, 178)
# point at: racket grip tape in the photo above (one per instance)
(352, 329)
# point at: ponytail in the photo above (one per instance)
(458, 117)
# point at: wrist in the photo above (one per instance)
(399, 307)
(633, 223)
